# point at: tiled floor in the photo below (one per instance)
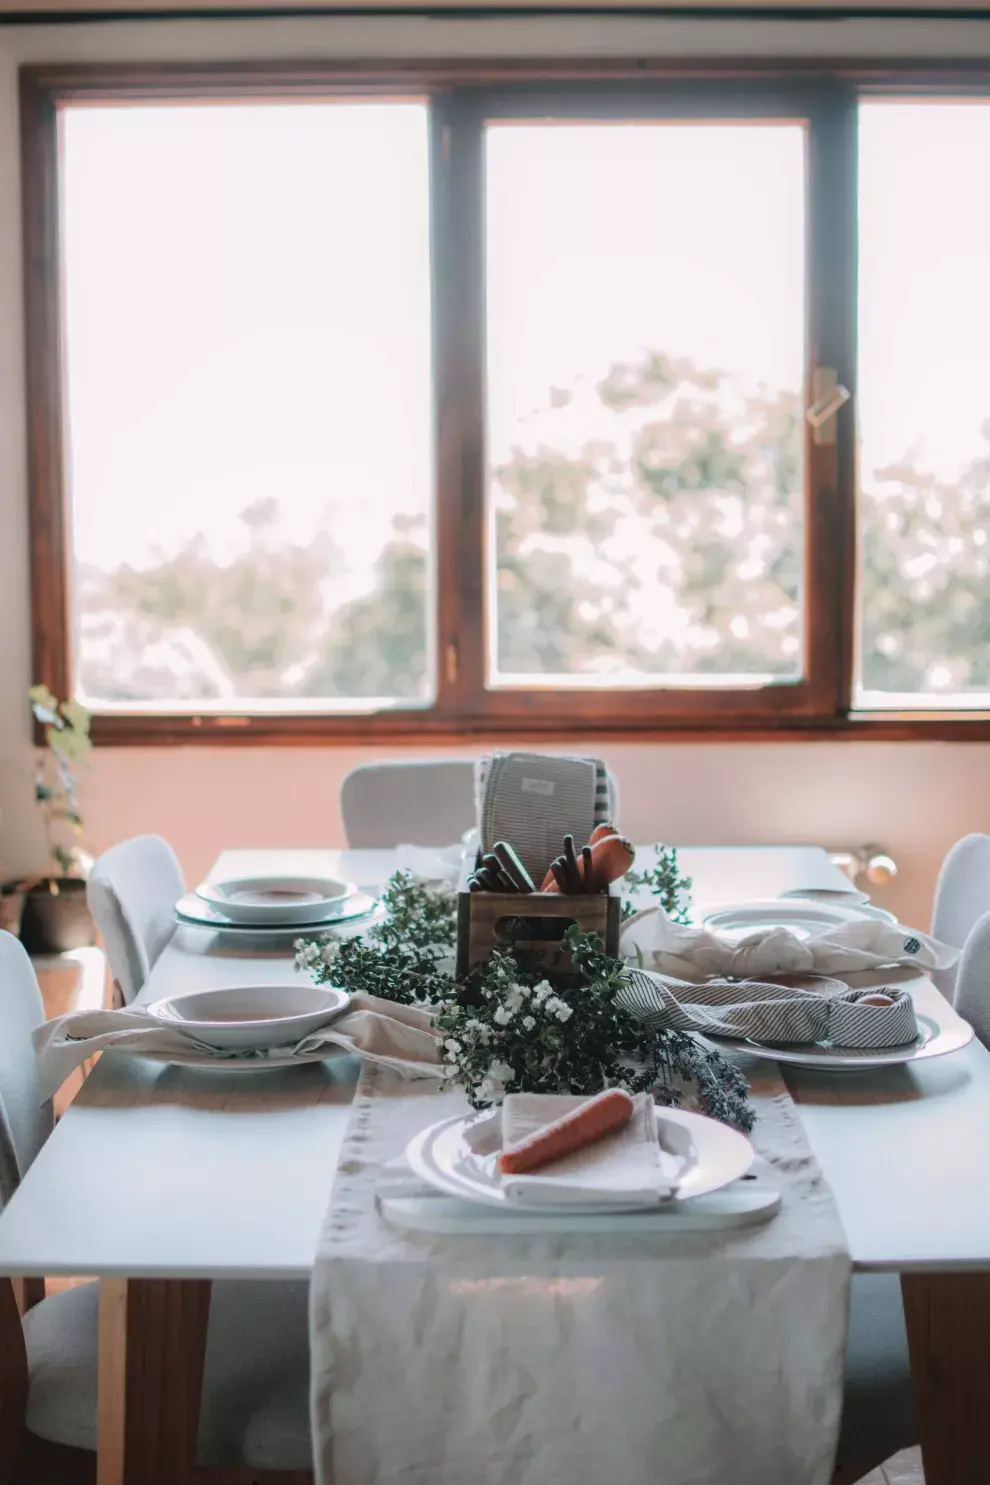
(903, 1469)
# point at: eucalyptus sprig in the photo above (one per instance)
(525, 1034)
(665, 881)
(403, 958)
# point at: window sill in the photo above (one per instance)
(410, 728)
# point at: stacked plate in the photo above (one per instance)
(274, 904)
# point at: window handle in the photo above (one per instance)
(828, 395)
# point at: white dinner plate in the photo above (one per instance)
(936, 1038)
(243, 1018)
(804, 917)
(276, 899)
(195, 909)
(443, 1158)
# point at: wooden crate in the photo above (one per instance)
(485, 919)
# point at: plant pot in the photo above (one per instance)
(55, 916)
(11, 906)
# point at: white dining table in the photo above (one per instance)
(163, 1173)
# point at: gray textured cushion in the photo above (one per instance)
(257, 1365)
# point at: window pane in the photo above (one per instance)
(924, 404)
(646, 353)
(248, 368)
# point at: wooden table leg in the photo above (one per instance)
(948, 1326)
(152, 1348)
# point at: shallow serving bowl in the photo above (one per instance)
(276, 899)
(246, 1018)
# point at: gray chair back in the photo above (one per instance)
(25, 1122)
(429, 803)
(132, 892)
(972, 998)
(962, 894)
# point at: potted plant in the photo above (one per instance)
(54, 915)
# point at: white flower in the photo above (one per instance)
(485, 1091)
(453, 1045)
(542, 990)
(514, 999)
(329, 951)
(501, 1072)
(528, 1022)
(473, 1024)
(503, 1015)
(559, 1008)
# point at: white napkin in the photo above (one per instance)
(652, 940)
(629, 1167)
(398, 1036)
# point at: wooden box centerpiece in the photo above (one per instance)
(532, 922)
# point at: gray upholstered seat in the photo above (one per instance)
(258, 1339)
(132, 892)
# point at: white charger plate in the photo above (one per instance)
(195, 909)
(804, 917)
(441, 1156)
(203, 1062)
(276, 899)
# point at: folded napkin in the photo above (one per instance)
(629, 1167)
(653, 940)
(533, 800)
(764, 1011)
(398, 1036)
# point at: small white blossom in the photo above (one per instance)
(542, 990)
(503, 1015)
(528, 1022)
(559, 1008)
(329, 952)
(485, 1091)
(501, 1072)
(453, 1045)
(514, 998)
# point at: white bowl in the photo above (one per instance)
(246, 1018)
(276, 899)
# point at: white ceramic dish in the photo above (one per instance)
(278, 899)
(850, 894)
(245, 1062)
(443, 1158)
(804, 917)
(244, 1018)
(194, 909)
(936, 1038)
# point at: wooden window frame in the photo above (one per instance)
(463, 97)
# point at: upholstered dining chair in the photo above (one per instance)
(972, 997)
(132, 892)
(257, 1337)
(429, 803)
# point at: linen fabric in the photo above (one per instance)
(652, 940)
(532, 800)
(568, 1359)
(625, 1167)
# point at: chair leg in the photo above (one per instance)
(13, 1381)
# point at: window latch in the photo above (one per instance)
(827, 396)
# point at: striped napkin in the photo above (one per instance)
(774, 1012)
(533, 800)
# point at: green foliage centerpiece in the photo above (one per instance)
(507, 1028)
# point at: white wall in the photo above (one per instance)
(915, 798)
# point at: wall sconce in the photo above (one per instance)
(871, 862)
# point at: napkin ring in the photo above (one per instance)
(855, 1022)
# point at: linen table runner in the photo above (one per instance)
(577, 1358)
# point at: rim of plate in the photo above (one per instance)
(802, 911)
(313, 896)
(940, 1041)
(163, 1009)
(235, 1062)
(420, 1154)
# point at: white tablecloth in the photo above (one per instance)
(576, 1359)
